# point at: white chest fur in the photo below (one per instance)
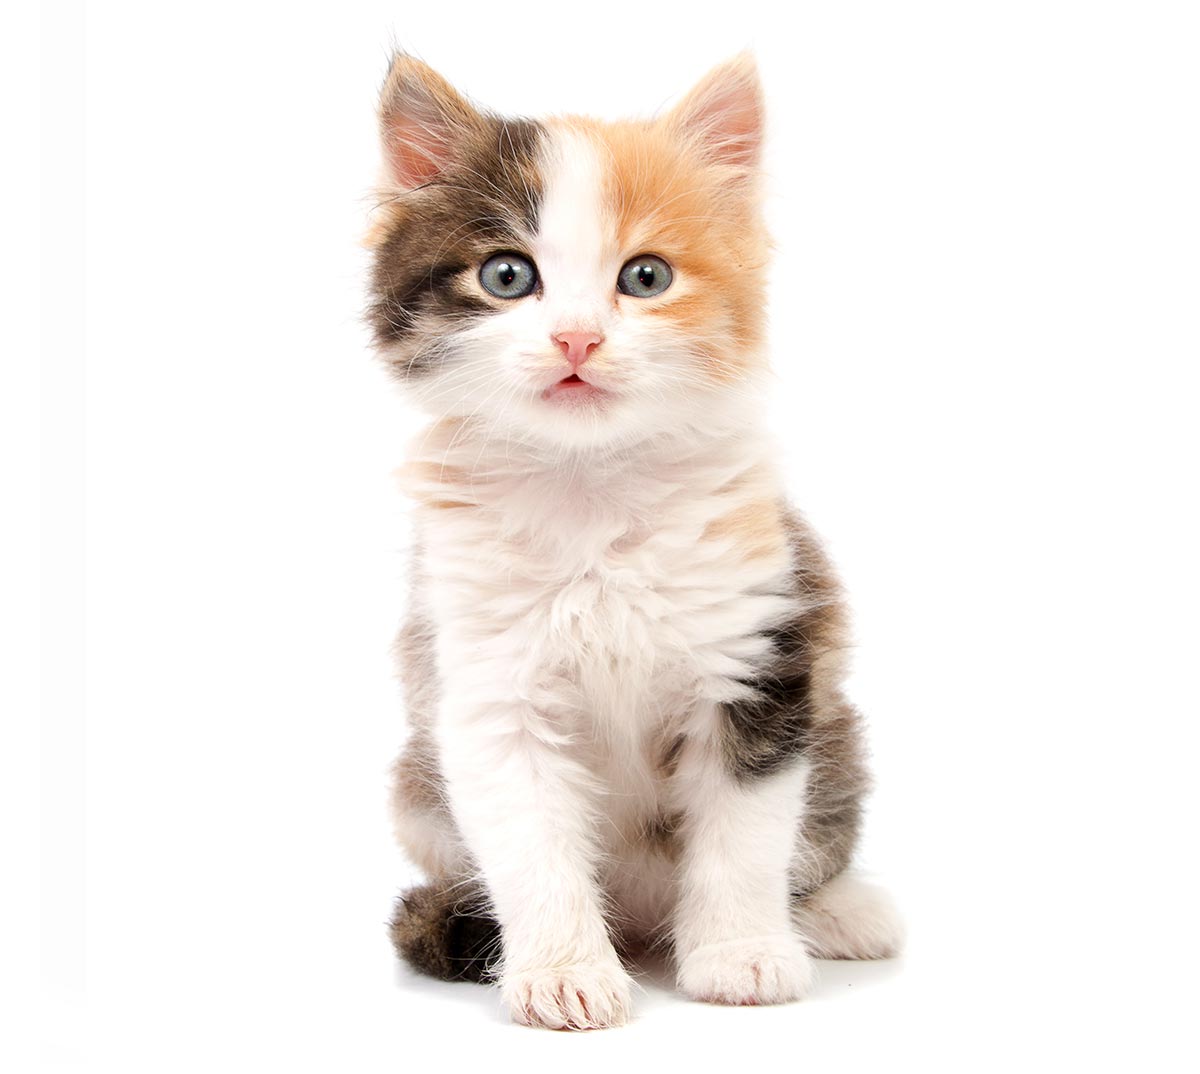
(610, 601)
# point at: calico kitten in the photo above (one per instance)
(623, 652)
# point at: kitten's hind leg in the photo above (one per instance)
(447, 930)
(848, 918)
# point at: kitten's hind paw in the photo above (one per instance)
(587, 995)
(849, 918)
(758, 970)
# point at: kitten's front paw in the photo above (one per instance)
(586, 995)
(758, 970)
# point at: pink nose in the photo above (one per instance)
(578, 346)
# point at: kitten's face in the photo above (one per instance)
(571, 282)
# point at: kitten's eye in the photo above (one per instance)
(644, 277)
(508, 276)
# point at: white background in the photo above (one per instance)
(986, 334)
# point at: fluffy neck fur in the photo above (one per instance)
(578, 501)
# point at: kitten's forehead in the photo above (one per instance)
(609, 187)
(576, 244)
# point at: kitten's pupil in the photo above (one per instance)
(645, 275)
(506, 273)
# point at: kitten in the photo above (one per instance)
(623, 652)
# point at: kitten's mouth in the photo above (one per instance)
(573, 389)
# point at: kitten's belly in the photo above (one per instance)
(639, 885)
(637, 684)
(637, 833)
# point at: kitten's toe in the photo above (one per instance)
(589, 995)
(758, 970)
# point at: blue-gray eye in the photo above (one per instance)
(508, 276)
(644, 277)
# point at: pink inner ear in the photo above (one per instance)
(412, 163)
(723, 114)
(415, 154)
(732, 127)
(740, 138)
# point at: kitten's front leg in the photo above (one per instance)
(734, 939)
(526, 811)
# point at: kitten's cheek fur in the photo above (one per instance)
(591, 995)
(750, 972)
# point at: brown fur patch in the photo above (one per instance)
(452, 199)
(445, 928)
(797, 707)
(668, 761)
(447, 932)
(837, 786)
(661, 833)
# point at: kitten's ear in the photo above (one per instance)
(424, 122)
(724, 114)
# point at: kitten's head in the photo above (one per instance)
(569, 281)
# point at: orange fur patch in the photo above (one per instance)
(756, 529)
(434, 484)
(667, 199)
(758, 476)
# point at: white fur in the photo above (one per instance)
(748, 971)
(733, 934)
(593, 995)
(575, 248)
(849, 918)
